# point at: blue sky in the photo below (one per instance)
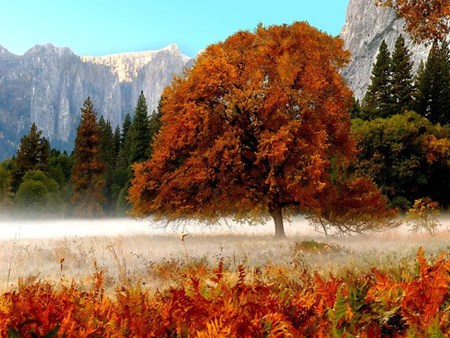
(99, 27)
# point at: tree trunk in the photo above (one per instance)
(277, 216)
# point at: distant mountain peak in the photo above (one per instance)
(48, 49)
(126, 66)
(5, 53)
(172, 47)
(48, 84)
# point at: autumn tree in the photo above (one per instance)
(251, 130)
(425, 20)
(353, 205)
(88, 179)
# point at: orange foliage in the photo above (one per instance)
(371, 305)
(87, 178)
(425, 20)
(353, 205)
(250, 129)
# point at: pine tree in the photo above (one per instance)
(116, 143)
(126, 125)
(88, 179)
(123, 158)
(434, 86)
(140, 132)
(108, 156)
(418, 78)
(33, 154)
(155, 124)
(378, 99)
(355, 109)
(123, 172)
(402, 79)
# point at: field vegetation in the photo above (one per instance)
(394, 283)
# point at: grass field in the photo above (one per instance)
(130, 257)
(154, 268)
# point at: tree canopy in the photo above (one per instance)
(37, 193)
(425, 20)
(33, 154)
(251, 130)
(407, 157)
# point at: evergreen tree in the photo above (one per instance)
(88, 179)
(155, 124)
(355, 109)
(123, 172)
(402, 79)
(434, 86)
(116, 143)
(60, 166)
(378, 99)
(123, 159)
(108, 156)
(126, 125)
(6, 193)
(33, 154)
(140, 132)
(135, 146)
(418, 78)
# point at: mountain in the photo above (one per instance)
(48, 85)
(365, 27)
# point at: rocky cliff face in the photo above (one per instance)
(365, 28)
(48, 85)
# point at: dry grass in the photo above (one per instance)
(139, 258)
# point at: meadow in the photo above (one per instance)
(228, 281)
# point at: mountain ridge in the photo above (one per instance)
(48, 84)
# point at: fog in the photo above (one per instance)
(127, 249)
(11, 229)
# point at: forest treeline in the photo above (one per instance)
(401, 127)
(92, 181)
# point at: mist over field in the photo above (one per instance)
(64, 228)
(32, 249)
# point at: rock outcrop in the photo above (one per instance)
(48, 85)
(366, 26)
